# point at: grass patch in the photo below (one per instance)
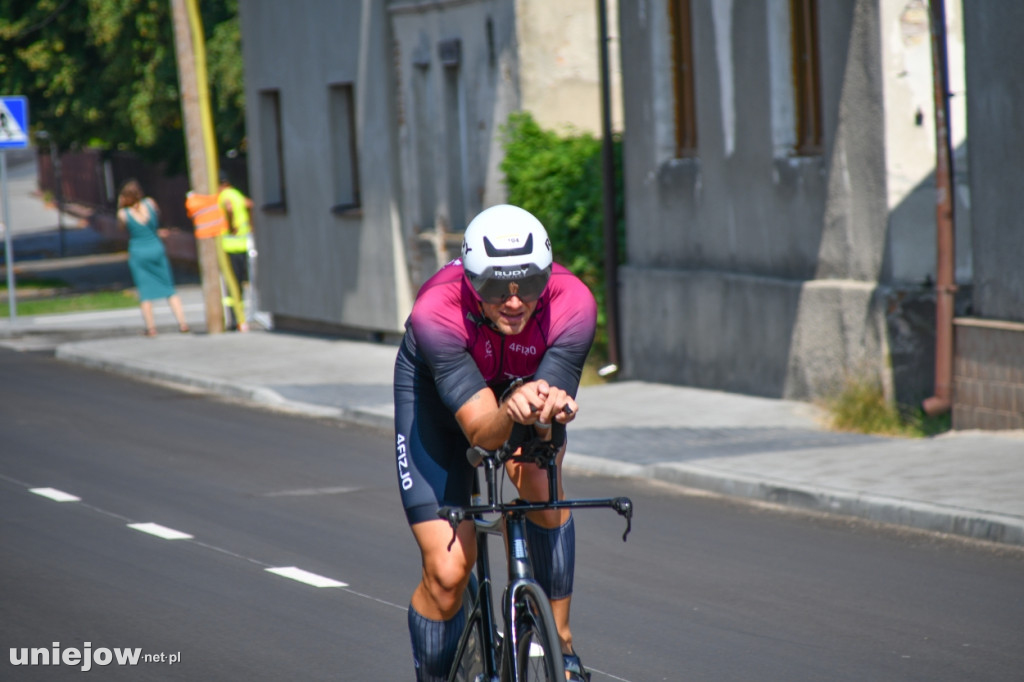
(70, 303)
(32, 284)
(861, 407)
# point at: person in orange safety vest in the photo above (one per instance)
(211, 223)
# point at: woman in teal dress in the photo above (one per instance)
(147, 259)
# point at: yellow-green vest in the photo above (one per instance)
(239, 241)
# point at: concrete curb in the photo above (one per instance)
(890, 510)
(227, 389)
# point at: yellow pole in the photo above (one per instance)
(210, 143)
(203, 92)
(213, 262)
(200, 158)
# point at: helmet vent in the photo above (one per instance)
(494, 252)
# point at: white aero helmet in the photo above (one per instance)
(506, 252)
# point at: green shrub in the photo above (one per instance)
(559, 179)
(861, 407)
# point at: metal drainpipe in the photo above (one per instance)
(945, 285)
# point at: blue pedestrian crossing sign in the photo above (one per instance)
(13, 122)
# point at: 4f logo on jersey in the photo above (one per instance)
(403, 463)
(521, 349)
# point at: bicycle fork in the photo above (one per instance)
(520, 583)
(485, 604)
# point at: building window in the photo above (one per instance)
(806, 77)
(272, 149)
(424, 182)
(344, 158)
(682, 77)
(456, 156)
(795, 70)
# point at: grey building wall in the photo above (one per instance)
(753, 270)
(994, 33)
(433, 82)
(344, 269)
(988, 377)
(458, 69)
(462, 66)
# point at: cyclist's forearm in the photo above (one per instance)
(484, 421)
(491, 433)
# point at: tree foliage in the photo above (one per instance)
(103, 73)
(558, 178)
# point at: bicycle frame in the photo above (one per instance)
(511, 524)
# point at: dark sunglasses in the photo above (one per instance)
(498, 284)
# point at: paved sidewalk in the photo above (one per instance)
(774, 450)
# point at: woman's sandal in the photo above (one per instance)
(149, 331)
(183, 328)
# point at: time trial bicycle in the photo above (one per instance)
(528, 650)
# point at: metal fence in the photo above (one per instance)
(91, 179)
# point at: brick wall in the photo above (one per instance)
(988, 374)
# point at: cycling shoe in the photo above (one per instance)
(573, 666)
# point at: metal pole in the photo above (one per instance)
(611, 239)
(945, 281)
(58, 190)
(9, 253)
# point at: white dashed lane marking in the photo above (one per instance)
(155, 529)
(305, 577)
(160, 531)
(309, 492)
(55, 495)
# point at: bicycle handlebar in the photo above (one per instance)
(543, 454)
(534, 451)
(456, 515)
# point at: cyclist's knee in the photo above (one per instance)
(446, 581)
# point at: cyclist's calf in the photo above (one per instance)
(553, 553)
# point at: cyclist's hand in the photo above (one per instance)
(558, 406)
(524, 405)
(538, 403)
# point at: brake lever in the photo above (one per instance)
(565, 410)
(624, 506)
(454, 516)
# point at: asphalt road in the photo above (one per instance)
(705, 588)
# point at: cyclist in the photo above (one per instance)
(496, 340)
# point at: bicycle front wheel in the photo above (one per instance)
(469, 659)
(538, 652)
